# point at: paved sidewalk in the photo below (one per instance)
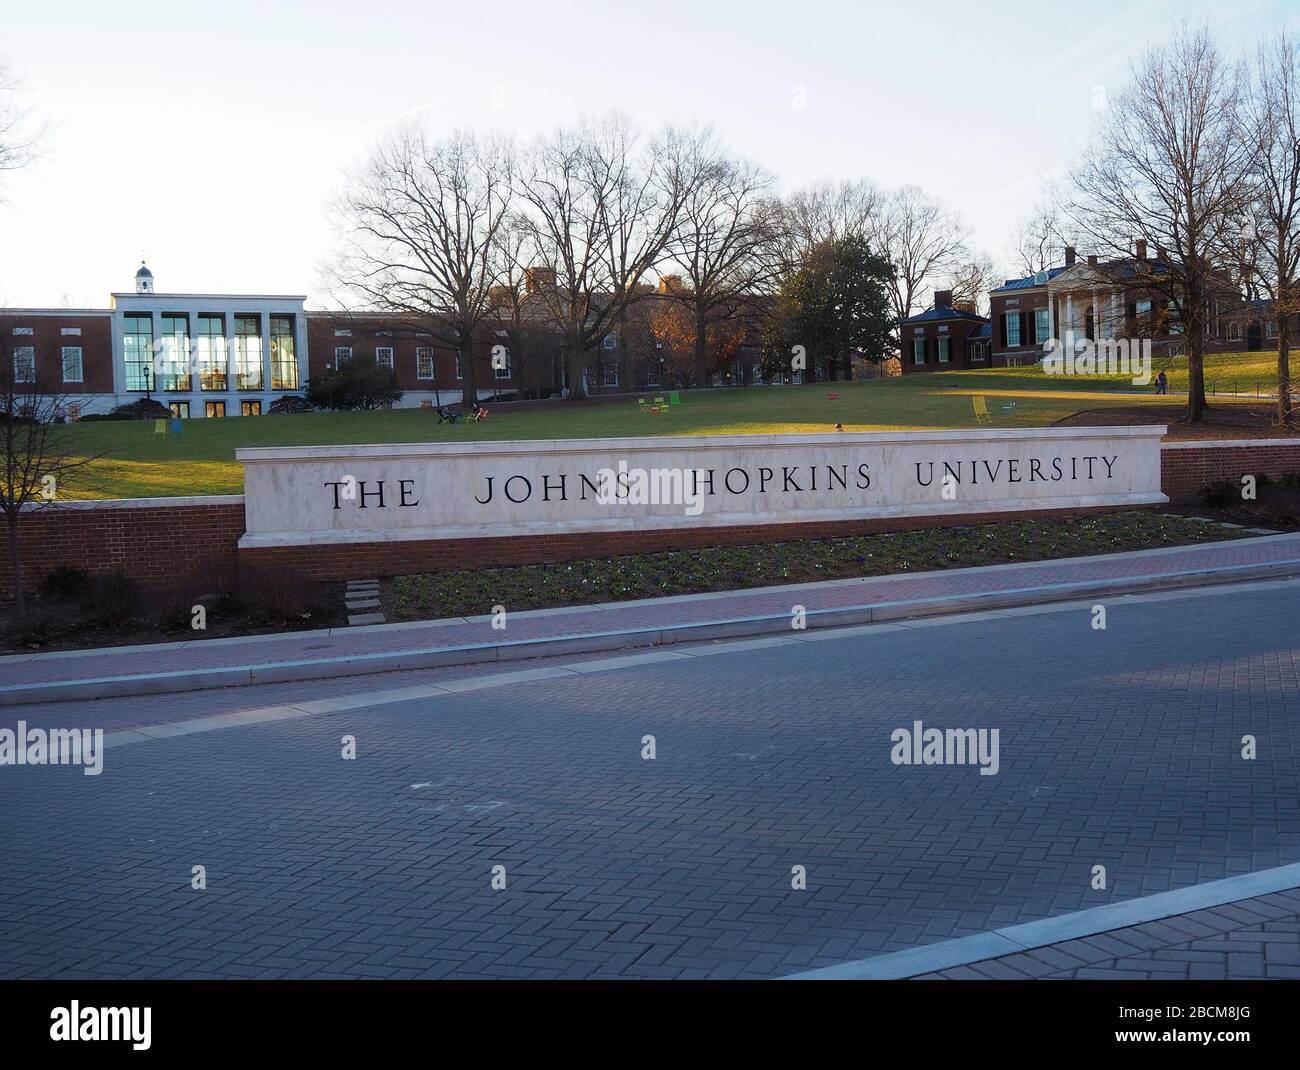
(175, 667)
(1252, 938)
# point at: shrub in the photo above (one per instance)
(1218, 494)
(290, 403)
(358, 383)
(63, 581)
(142, 409)
(114, 600)
(279, 595)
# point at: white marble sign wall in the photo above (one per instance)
(367, 493)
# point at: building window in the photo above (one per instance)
(250, 408)
(342, 354)
(611, 375)
(943, 350)
(384, 357)
(214, 409)
(1013, 328)
(23, 330)
(918, 350)
(652, 373)
(137, 350)
(72, 364)
(1143, 308)
(1042, 325)
(1234, 332)
(180, 409)
(211, 352)
(284, 362)
(174, 366)
(502, 372)
(70, 332)
(424, 363)
(610, 342)
(1270, 329)
(25, 364)
(458, 375)
(248, 353)
(342, 332)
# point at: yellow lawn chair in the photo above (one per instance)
(160, 427)
(981, 409)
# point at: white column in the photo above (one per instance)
(232, 378)
(300, 346)
(266, 361)
(1096, 313)
(1068, 325)
(155, 350)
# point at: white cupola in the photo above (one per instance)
(143, 280)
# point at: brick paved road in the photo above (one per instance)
(1118, 748)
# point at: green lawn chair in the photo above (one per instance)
(675, 397)
(160, 427)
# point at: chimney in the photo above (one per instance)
(1141, 248)
(1092, 260)
(538, 278)
(942, 298)
(1069, 256)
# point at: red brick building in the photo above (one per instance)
(944, 338)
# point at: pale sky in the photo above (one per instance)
(207, 136)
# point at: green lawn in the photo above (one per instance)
(201, 460)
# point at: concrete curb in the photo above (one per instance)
(593, 642)
(1013, 939)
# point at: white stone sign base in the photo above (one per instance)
(306, 495)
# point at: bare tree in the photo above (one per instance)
(922, 239)
(1170, 166)
(600, 208)
(420, 220)
(972, 280)
(20, 136)
(36, 455)
(725, 245)
(1271, 238)
(826, 212)
(1039, 240)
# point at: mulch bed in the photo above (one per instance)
(1225, 420)
(470, 592)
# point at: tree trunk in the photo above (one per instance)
(16, 568)
(703, 379)
(573, 361)
(1285, 413)
(624, 355)
(469, 392)
(1196, 404)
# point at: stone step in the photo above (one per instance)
(362, 603)
(366, 618)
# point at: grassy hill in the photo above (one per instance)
(201, 460)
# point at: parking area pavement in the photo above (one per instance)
(1119, 748)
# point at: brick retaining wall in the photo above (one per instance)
(1186, 467)
(158, 539)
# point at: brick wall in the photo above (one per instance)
(153, 540)
(1186, 467)
(158, 539)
